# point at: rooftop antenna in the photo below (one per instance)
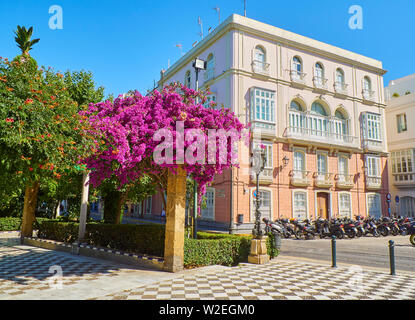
(168, 63)
(217, 9)
(194, 43)
(199, 21)
(210, 29)
(179, 45)
(244, 8)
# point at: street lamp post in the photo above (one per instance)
(258, 253)
(258, 167)
(198, 64)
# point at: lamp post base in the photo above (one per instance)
(258, 254)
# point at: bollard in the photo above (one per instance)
(392, 256)
(333, 252)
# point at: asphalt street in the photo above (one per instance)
(365, 251)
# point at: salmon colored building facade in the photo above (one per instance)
(318, 109)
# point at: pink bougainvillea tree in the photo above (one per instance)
(133, 128)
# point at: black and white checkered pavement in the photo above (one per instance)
(24, 268)
(278, 280)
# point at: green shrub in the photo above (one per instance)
(14, 223)
(208, 249)
(145, 238)
(10, 224)
(223, 250)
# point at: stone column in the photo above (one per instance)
(175, 221)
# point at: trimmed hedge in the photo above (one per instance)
(13, 223)
(145, 238)
(208, 249)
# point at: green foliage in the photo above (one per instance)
(395, 95)
(145, 239)
(208, 249)
(13, 223)
(81, 87)
(222, 251)
(23, 39)
(10, 224)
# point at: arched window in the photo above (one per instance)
(339, 115)
(260, 60)
(340, 76)
(295, 106)
(297, 65)
(318, 108)
(187, 79)
(318, 120)
(367, 84)
(341, 125)
(259, 54)
(210, 67)
(297, 117)
(319, 71)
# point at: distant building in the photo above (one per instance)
(400, 112)
(318, 106)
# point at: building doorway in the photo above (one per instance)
(323, 205)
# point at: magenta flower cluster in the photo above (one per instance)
(125, 129)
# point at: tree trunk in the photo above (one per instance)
(121, 207)
(29, 208)
(112, 206)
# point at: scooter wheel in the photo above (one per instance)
(412, 239)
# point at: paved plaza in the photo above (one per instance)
(28, 273)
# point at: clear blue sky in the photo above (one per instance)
(126, 43)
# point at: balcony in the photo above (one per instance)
(323, 180)
(299, 178)
(265, 177)
(264, 129)
(345, 181)
(371, 145)
(320, 83)
(373, 183)
(340, 88)
(297, 78)
(260, 67)
(368, 96)
(404, 180)
(313, 128)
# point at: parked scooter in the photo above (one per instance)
(273, 227)
(360, 226)
(289, 230)
(337, 228)
(322, 227)
(303, 230)
(383, 226)
(371, 227)
(349, 228)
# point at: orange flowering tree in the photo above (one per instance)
(42, 136)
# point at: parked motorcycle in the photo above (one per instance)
(383, 226)
(337, 228)
(289, 230)
(273, 227)
(349, 228)
(360, 226)
(303, 230)
(371, 227)
(411, 232)
(322, 227)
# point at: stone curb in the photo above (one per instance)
(98, 252)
